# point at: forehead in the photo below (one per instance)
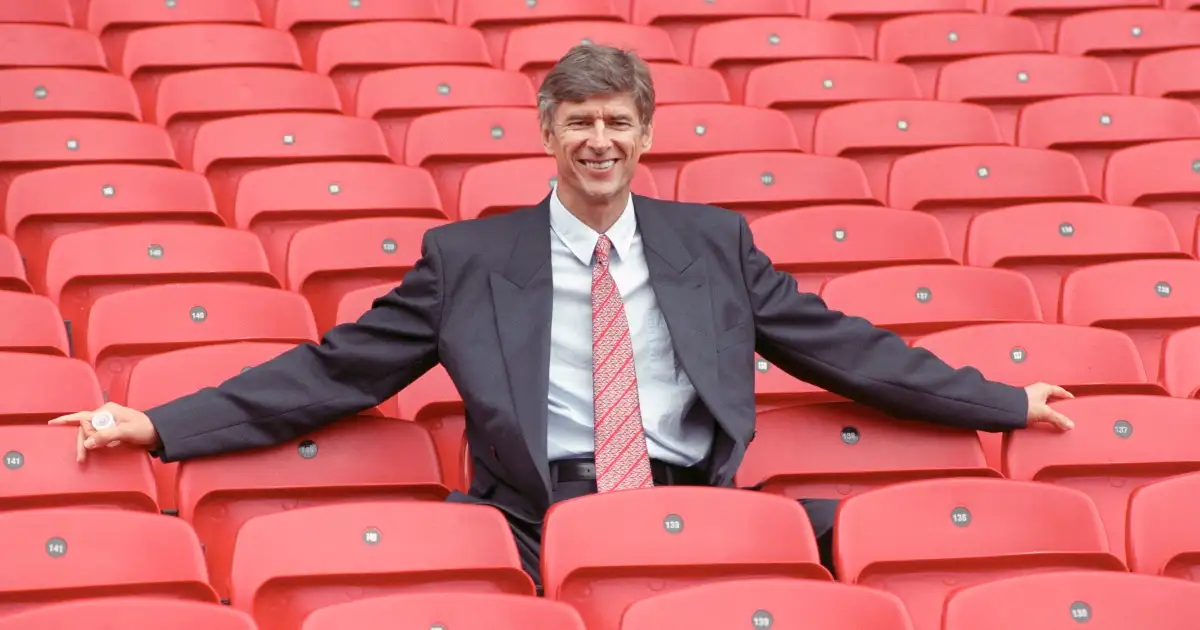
(601, 106)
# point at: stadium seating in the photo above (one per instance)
(114, 19)
(386, 547)
(672, 537)
(1049, 13)
(1162, 176)
(129, 612)
(680, 18)
(31, 323)
(677, 84)
(308, 22)
(50, 46)
(535, 48)
(465, 611)
(1180, 371)
(56, 12)
(37, 387)
(947, 534)
(1165, 75)
(28, 93)
(505, 185)
(12, 267)
(1161, 537)
(1121, 36)
(867, 16)
(767, 602)
(496, 21)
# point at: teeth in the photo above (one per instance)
(600, 166)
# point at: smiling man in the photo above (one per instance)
(601, 341)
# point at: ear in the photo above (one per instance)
(647, 139)
(548, 139)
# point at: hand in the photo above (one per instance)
(132, 427)
(1040, 413)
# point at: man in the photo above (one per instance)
(600, 341)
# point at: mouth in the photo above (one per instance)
(599, 165)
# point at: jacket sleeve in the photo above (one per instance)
(355, 367)
(852, 358)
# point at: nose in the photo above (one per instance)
(599, 140)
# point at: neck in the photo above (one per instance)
(597, 213)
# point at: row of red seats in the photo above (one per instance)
(944, 535)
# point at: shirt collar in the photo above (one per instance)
(581, 239)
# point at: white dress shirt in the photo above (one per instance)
(664, 391)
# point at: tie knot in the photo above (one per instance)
(603, 247)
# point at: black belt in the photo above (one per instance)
(664, 474)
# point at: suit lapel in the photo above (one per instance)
(523, 295)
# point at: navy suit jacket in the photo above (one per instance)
(479, 302)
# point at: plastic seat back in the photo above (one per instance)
(505, 185)
(1104, 600)
(686, 132)
(354, 460)
(35, 388)
(1180, 371)
(50, 46)
(1161, 536)
(113, 20)
(392, 547)
(927, 42)
(836, 450)
(308, 22)
(672, 537)
(1047, 14)
(533, 50)
(681, 18)
(129, 612)
(804, 88)
(327, 261)
(677, 84)
(448, 143)
(31, 323)
(1121, 36)
(948, 534)
(1046, 241)
(1006, 82)
(1166, 75)
(469, 611)
(875, 133)
(868, 16)
(497, 21)
(1160, 175)
(819, 243)
(1118, 444)
(126, 326)
(767, 602)
(12, 267)
(31, 93)
(275, 202)
(40, 473)
(1092, 127)
(762, 184)
(56, 12)
(64, 552)
(914, 300)
(1147, 299)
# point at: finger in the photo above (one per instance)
(103, 438)
(74, 418)
(1061, 421)
(80, 450)
(1058, 392)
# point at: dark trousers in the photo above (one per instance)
(529, 535)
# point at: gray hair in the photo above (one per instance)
(590, 70)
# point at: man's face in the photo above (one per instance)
(597, 144)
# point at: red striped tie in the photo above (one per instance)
(621, 459)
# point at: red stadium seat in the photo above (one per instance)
(327, 261)
(129, 612)
(1092, 127)
(150, 54)
(875, 133)
(386, 547)
(735, 47)
(65, 552)
(927, 42)
(227, 150)
(1168, 75)
(47, 475)
(394, 97)
(1159, 175)
(43, 205)
(1006, 82)
(496, 20)
(803, 89)
(84, 266)
(35, 387)
(774, 388)
(946, 534)
(28, 93)
(468, 611)
(686, 132)
(126, 326)
(1048, 13)
(356, 459)
(1118, 444)
(957, 184)
(38, 144)
(914, 300)
(535, 49)
(31, 323)
(450, 142)
(1121, 36)
(671, 538)
(1182, 5)
(1180, 370)
(681, 18)
(113, 19)
(275, 202)
(50, 46)
(1105, 600)
(505, 185)
(1046, 241)
(12, 267)
(309, 21)
(677, 84)
(56, 12)
(766, 602)
(1161, 535)
(761, 184)
(348, 53)
(835, 450)
(1145, 298)
(187, 100)
(867, 16)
